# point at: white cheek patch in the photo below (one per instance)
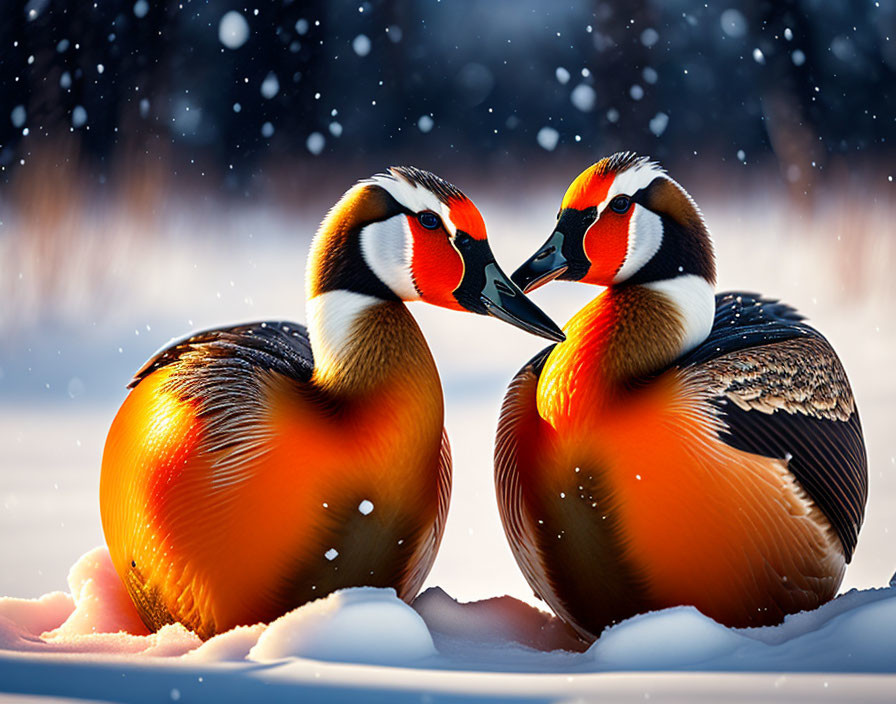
(645, 235)
(388, 248)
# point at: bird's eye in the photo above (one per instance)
(620, 204)
(429, 220)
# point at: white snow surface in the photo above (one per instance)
(96, 627)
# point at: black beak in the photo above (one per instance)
(486, 289)
(504, 300)
(545, 265)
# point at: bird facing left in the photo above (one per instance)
(254, 468)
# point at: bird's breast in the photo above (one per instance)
(643, 480)
(235, 516)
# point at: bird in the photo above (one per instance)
(680, 447)
(254, 468)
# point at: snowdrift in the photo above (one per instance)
(854, 633)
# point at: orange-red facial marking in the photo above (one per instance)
(605, 245)
(436, 265)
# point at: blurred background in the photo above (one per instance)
(164, 164)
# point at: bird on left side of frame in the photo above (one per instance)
(254, 468)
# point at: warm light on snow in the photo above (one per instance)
(363, 625)
(856, 633)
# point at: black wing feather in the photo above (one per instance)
(825, 450)
(745, 320)
(827, 458)
(279, 346)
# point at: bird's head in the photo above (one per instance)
(623, 221)
(409, 235)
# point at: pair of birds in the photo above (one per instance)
(673, 447)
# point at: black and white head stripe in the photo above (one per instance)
(416, 191)
(443, 190)
(622, 161)
(660, 208)
(388, 245)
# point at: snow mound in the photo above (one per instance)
(235, 644)
(361, 625)
(37, 615)
(854, 633)
(102, 604)
(666, 640)
(494, 621)
(98, 618)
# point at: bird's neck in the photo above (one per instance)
(362, 344)
(625, 334)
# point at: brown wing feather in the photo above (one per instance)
(429, 547)
(516, 424)
(791, 400)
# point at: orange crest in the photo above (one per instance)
(590, 187)
(606, 241)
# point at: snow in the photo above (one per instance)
(562, 75)
(361, 45)
(34, 7)
(733, 23)
(365, 507)
(79, 116)
(315, 143)
(393, 31)
(798, 57)
(658, 123)
(583, 97)
(270, 86)
(141, 7)
(636, 92)
(758, 56)
(649, 37)
(18, 116)
(547, 138)
(372, 642)
(362, 625)
(233, 30)
(425, 123)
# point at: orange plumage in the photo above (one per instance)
(254, 468)
(678, 447)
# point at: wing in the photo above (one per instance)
(219, 372)
(429, 547)
(279, 346)
(517, 425)
(781, 391)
